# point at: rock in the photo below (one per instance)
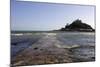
(77, 25)
(35, 48)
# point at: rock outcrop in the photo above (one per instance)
(77, 25)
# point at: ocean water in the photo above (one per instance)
(81, 44)
(78, 38)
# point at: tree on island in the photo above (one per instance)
(77, 25)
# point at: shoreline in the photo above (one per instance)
(49, 50)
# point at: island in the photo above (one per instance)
(77, 25)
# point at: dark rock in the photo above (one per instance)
(35, 48)
(93, 57)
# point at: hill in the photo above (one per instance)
(77, 25)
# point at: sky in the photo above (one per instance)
(38, 16)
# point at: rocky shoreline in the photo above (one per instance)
(49, 50)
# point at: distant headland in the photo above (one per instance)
(77, 25)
